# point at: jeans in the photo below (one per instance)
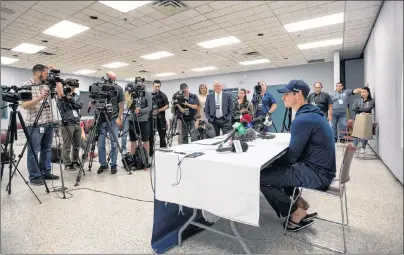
(42, 143)
(75, 132)
(278, 181)
(102, 154)
(338, 123)
(125, 131)
(364, 142)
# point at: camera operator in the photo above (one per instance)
(162, 104)
(69, 107)
(140, 114)
(115, 121)
(41, 134)
(188, 110)
(266, 105)
(204, 130)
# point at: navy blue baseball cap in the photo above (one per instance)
(296, 86)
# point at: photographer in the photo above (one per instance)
(69, 105)
(41, 134)
(161, 102)
(187, 104)
(140, 102)
(266, 104)
(115, 121)
(204, 130)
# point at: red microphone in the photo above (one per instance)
(247, 117)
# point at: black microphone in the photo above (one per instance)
(244, 147)
(257, 121)
(249, 136)
(266, 136)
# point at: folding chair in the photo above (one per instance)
(336, 189)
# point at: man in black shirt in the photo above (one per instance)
(69, 107)
(160, 101)
(322, 100)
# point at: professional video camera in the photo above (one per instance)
(200, 126)
(71, 83)
(102, 90)
(135, 90)
(17, 94)
(179, 98)
(53, 77)
(257, 88)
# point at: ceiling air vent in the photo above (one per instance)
(252, 53)
(312, 61)
(44, 53)
(170, 7)
(143, 71)
(5, 48)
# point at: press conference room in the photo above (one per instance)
(174, 126)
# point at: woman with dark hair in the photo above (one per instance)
(241, 106)
(364, 105)
(203, 92)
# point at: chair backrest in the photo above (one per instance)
(346, 163)
(349, 124)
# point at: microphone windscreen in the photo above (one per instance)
(246, 117)
(249, 136)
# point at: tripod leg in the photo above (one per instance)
(10, 140)
(58, 144)
(173, 130)
(31, 146)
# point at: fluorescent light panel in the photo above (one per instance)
(320, 44)
(8, 61)
(219, 42)
(65, 29)
(254, 62)
(85, 71)
(125, 6)
(158, 55)
(203, 69)
(115, 65)
(28, 48)
(165, 74)
(131, 79)
(315, 23)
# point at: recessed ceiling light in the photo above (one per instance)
(158, 55)
(165, 74)
(315, 23)
(125, 6)
(320, 44)
(65, 29)
(8, 61)
(115, 65)
(85, 71)
(219, 42)
(254, 62)
(202, 69)
(28, 48)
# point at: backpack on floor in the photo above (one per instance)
(138, 158)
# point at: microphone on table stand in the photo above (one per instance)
(232, 148)
(237, 128)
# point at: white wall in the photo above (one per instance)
(17, 76)
(309, 73)
(384, 72)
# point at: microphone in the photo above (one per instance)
(237, 128)
(244, 147)
(266, 136)
(249, 136)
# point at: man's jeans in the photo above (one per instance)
(125, 131)
(102, 154)
(338, 123)
(185, 130)
(42, 143)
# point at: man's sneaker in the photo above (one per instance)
(37, 181)
(113, 170)
(70, 167)
(76, 164)
(362, 151)
(51, 177)
(101, 169)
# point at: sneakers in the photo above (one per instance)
(102, 169)
(70, 167)
(362, 151)
(113, 170)
(37, 181)
(51, 177)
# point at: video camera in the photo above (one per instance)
(103, 90)
(71, 83)
(200, 125)
(179, 98)
(53, 77)
(136, 90)
(17, 94)
(258, 88)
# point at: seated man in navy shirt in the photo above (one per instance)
(309, 161)
(266, 104)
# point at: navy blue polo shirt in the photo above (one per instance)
(267, 101)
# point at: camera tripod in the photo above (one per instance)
(11, 137)
(93, 138)
(144, 156)
(288, 115)
(173, 129)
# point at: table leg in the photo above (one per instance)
(239, 238)
(185, 226)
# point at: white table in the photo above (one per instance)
(225, 184)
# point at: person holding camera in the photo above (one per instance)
(115, 121)
(139, 101)
(69, 105)
(188, 110)
(219, 109)
(40, 134)
(204, 130)
(266, 104)
(161, 102)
